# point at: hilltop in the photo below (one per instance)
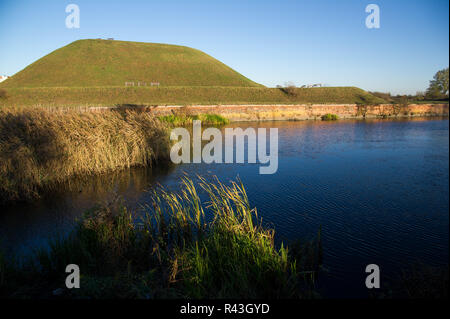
(94, 63)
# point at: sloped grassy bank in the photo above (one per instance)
(79, 97)
(41, 149)
(181, 247)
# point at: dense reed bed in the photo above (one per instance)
(40, 149)
(179, 247)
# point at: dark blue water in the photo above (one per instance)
(378, 188)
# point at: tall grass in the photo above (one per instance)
(181, 246)
(39, 148)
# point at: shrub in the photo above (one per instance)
(180, 247)
(3, 94)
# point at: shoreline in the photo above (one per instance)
(287, 112)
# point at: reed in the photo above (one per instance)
(40, 149)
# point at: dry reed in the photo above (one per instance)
(39, 148)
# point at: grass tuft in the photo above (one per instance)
(330, 117)
(39, 148)
(183, 120)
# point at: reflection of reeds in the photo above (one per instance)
(330, 117)
(176, 250)
(39, 148)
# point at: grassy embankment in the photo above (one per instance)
(410, 99)
(173, 251)
(330, 117)
(111, 96)
(41, 149)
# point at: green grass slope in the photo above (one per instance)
(93, 63)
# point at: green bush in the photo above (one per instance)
(330, 117)
(3, 94)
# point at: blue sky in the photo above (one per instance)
(271, 42)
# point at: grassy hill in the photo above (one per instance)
(93, 63)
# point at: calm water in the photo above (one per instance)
(378, 188)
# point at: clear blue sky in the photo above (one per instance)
(271, 42)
